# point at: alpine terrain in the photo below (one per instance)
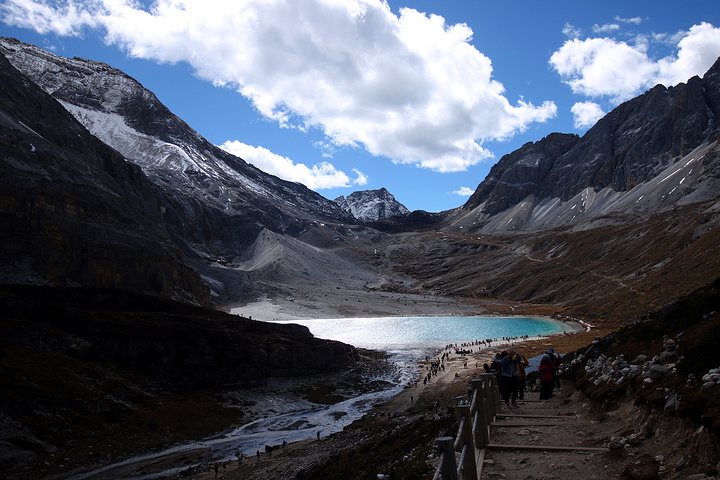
(126, 237)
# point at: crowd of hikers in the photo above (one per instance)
(433, 367)
(510, 368)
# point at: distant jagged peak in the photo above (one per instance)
(372, 205)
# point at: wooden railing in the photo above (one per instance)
(473, 432)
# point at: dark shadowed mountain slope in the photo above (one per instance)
(98, 375)
(518, 174)
(241, 228)
(72, 210)
(372, 205)
(217, 203)
(563, 179)
(90, 369)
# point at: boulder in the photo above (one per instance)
(671, 403)
(658, 372)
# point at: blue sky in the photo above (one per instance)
(419, 97)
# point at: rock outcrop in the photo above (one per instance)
(665, 364)
(519, 173)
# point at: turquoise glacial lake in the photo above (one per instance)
(406, 334)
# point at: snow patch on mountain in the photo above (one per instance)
(150, 153)
(123, 114)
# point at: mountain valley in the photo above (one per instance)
(123, 231)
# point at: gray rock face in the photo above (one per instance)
(520, 173)
(72, 210)
(372, 205)
(637, 143)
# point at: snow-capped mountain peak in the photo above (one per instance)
(372, 205)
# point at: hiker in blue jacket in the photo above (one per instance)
(508, 378)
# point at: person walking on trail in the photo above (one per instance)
(521, 376)
(508, 378)
(546, 370)
(495, 365)
(555, 360)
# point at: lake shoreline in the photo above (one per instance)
(392, 334)
(412, 396)
(414, 399)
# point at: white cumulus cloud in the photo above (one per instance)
(463, 192)
(617, 70)
(361, 178)
(408, 87)
(697, 51)
(319, 176)
(571, 31)
(585, 114)
(599, 67)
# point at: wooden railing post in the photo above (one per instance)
(481, 426)
(473, 431)
(477, 388)
(494, 395)
(465, 442)
(448, 468)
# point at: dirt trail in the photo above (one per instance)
(580, 423)
(538, 426)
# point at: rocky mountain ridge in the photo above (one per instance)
(656, 137)
(216, 202)
(372, 205)
(252, 235)
(215, 207)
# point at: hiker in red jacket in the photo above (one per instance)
(546, 369)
